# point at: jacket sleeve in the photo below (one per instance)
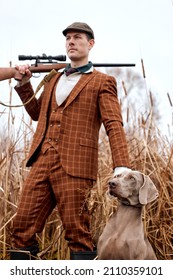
(111, 116)
(31, 103)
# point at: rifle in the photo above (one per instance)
(44, 64)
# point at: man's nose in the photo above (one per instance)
(71, 41)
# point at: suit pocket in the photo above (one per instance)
(88, 143)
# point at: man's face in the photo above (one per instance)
(78, 46)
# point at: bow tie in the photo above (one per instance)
(70, 71)
(82, 69)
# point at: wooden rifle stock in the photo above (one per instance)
(11, 72)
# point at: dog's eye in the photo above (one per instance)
(118, 175)
(132, 178)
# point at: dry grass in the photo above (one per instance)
(150, 153)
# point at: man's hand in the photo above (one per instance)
(24, 71)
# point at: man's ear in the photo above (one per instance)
(91, 43)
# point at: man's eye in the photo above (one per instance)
(132, 178)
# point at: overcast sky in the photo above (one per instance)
(125, 31)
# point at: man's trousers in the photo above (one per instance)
(47, 186)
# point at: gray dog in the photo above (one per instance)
(123, 237)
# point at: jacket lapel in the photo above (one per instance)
(79, 86)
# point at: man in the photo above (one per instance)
(64, 151)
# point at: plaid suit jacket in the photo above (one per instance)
(92, 101)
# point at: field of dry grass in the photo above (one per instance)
(150, 152)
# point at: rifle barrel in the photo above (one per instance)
(43, 68)
(113, 64)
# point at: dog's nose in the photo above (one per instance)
(112, 184)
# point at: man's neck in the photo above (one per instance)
(76, 64)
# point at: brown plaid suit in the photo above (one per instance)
(63, 174)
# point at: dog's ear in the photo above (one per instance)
(148, 191)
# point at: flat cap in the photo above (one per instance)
(79, 26)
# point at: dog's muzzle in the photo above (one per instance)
(112, 187)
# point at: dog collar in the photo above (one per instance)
(126, 202)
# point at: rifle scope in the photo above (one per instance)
(43, 57)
